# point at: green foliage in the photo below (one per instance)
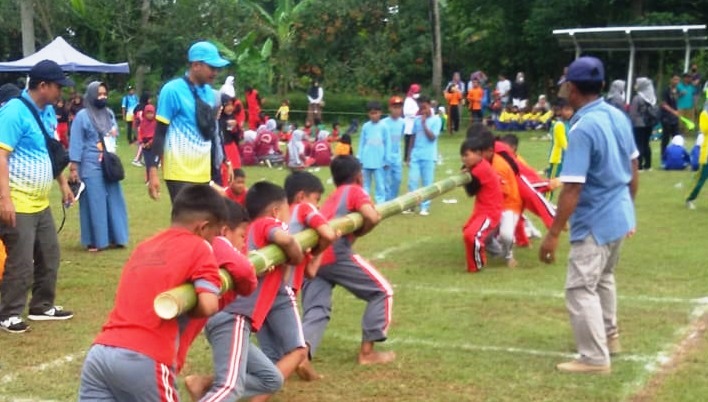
(362, 47)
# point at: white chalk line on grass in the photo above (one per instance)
(381, 255)
(52, 364)
(669, 352)
(472, 347)
(701, 301)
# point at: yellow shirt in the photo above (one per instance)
(703, 125)
(559, 142)
(283, 113)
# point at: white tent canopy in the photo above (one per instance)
(67, 57)
(634, 39)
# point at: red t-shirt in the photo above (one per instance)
(303, 216)
(489, 198)
(245, 282)
(165, 261)
(346, 198)
(261, 233)
(237, 198)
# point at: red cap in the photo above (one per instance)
(395, 100)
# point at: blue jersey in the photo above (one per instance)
(394, 129)
(187, 155)
(373, 145)
(29, 164)
(425, 149)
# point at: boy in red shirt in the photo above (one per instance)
(230, 329)
(304, 191)
(237, 189)
(340, 266)
(486, 187)
(134, 356)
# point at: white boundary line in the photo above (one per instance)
(701, 301)
(52, 364)
(471, 347)
(381, 255)
(668, 352)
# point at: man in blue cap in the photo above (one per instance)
(600, 182)
(183, 137)
(26, 223)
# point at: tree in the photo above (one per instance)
(27, 18)
(436, 47)
(278, 30)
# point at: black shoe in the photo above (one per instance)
(52, 314)
(14, 325)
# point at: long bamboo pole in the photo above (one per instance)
(181, 299)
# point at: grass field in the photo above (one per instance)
(492, 336)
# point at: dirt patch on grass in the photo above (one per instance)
(682, 351)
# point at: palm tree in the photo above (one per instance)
(278, 28)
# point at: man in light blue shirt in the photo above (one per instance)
(599, 184)
(424, 152)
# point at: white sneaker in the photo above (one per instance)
(424, 212)
(136, 163)
(407, 212)
(690, 205)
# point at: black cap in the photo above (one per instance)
(49, 71)
(8, 91)
(373, 105)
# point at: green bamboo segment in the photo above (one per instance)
(181, 299)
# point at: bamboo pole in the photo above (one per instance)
(181, 299)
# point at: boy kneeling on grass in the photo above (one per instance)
(340, 266)
(486, 188)
(135, 355)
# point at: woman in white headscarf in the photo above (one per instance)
(228, 88)
(615, 96)
(644, 114)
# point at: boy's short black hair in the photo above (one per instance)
(236, 214)
(344, 169)
(198, 201)
(510, 139)
(302, 181)
(373, 105)
(261, 196)
(589, 87)
(423, 99)
(238, 172)
(483, 141)
(475, 129)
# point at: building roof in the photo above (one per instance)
(671, 37)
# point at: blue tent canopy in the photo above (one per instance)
(70, 60)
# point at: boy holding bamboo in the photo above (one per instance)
(134, 356)
(230, 329)
(341, 266)
(486, 188)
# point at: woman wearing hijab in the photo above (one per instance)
(315, 96)
(228, 88)
(103, 214)
(519, 91)
(615, 96)
(643, 120)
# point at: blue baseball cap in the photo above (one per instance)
(207, 53)
(588, 69)
(49, 71)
